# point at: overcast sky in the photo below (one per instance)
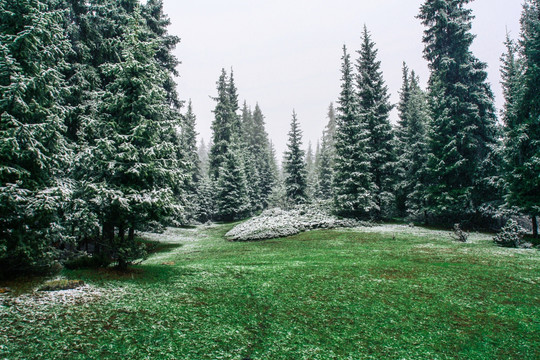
(286, 53)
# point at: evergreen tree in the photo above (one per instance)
(522, 117)
(295, 166)
(225, 124)
(462, 131)
(158, 22)
(352, 182)
(311, 173)
(202, 152)
(326, 158)
(265, 164)
(401, 142)
(189, 143)
(413, 145)
(129, 167)
(232, 198)
(33, 152)
(374, 110)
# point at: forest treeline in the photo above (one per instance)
(97, 145)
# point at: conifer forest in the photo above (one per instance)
(125, 234)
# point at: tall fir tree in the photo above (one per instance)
(412, 146)
(311, 173)
(352, 182)
(295, 166)
(522, 116)
(129, 167)
(231, 193)
(374, 110)
(33, 151)
(222, 126)
(463, 132)
(326, 158)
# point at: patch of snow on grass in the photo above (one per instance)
(277, 223)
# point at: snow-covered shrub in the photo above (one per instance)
(275, 223)
(511, 235)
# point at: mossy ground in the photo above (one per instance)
(381, 293)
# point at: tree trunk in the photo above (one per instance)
(131, 234)
(121, 232)
(534, 226)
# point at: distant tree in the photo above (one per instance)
(260, 148)
(463, 132)
(223, 126)
(352, 181)
(521, 81)
(374, 110)
(231, 193)
(295, 166)
(327, 155)
(33, 151)
(203, 157)
(311, 173)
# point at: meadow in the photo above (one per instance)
(382, 292)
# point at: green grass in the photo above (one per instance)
(338, 294)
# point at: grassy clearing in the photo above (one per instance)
(387, 292)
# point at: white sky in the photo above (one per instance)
(286, 53)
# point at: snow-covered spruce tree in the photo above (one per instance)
(413, 148)
(260, 147)
(400, 142)
(463, 128)
(352, 182)
(326, 158)
(223, 126)
(295, 166)
(158, 23)
(128, 167)
(187, 148)
(374, 109)
(249, 159)
(311, 173)
(522, 117)
(231, 193)
(33, 151)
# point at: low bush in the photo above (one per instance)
(511, 235)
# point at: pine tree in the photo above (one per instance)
(401, 142)
(462, 131)
(232, 198)
(33, 151)
(223, 126)
(311, 173)
(374, 110)
(158, 22)
(265, 160)
(189, 143)
(352, 181)
(129, 168)
(295, 166)
(326, 158)
(522, 117)
(413, 144)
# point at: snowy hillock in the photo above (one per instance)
(276, 223)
